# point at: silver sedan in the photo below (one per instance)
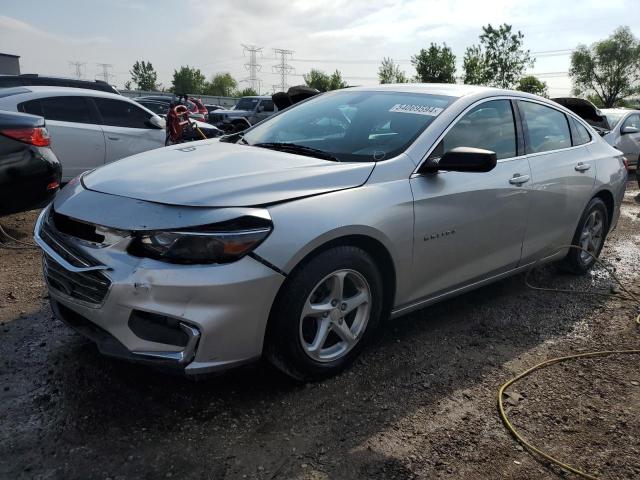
(294, 239)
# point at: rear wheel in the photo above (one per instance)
(589, 236)
(325, 314)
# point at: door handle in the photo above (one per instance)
(582, 167)
(113, 138)
(518, 179)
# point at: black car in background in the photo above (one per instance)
(29, 170)
(27, 79)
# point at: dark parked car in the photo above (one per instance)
(159, 104)
(29, 170)
(33, 79)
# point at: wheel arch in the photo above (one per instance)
(374, 247)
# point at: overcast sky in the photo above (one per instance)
(350, 35)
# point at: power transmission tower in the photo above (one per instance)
(78, 66)
(253, 66)
(283, 68)
(105, 71)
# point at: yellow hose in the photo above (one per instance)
(503, 414)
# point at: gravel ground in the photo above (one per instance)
(419, 403)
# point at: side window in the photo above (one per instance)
(579, 133)
(547, 128)
(121, 114)
(268, 105)
(32, 106)
(632, 121)
(65, 109)
(489, 126)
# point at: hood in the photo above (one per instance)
(585, 110)
(215, 174)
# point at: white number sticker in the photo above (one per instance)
(417, 109)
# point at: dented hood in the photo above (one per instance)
(216, 174)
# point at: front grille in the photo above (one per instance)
(88, 287)
(215, 118)
(76, 228)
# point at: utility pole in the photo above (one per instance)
(253, 66)
(105, 71)
(283, 68)
(78, 66)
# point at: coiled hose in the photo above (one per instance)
(503, 415)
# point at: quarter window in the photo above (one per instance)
(122, 114)
(579, 133)
(489, 126)
(547, 128)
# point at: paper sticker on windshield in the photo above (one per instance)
(417, 109)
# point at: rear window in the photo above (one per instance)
(63, 109)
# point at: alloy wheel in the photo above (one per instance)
(592, 236)
(335, 315)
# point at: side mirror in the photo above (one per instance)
(629, 129)
(462, 159)
(156, 122)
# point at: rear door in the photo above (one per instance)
(126, 128)
(470, 226)
(76, 138)
(563, 173)
(629, 143)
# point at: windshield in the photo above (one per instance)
(613, 118)
(246, 104)
(353, 126)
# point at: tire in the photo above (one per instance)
(576, 261)
(294, 342)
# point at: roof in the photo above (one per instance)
(621, 111)
(9, 55)
(61, 91)
(449, 89)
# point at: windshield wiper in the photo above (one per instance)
(299, 149)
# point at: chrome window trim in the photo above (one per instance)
(508, 159)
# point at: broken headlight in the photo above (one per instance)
(222, 243)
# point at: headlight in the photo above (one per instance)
(209, 244)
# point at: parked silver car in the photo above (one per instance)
(294, 239)
(88, 128)
(247, 111)
(625, 132)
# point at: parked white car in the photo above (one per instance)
(625, 132)
(88, 128)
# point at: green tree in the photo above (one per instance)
(533, 85)
(221, 84)
(437, 64)
(500, 60)
(246, 92)
(188, 80)
(323, 82)
(389, 72)
(609, 69)
(144, 75)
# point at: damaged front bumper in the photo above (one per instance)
(193, 318)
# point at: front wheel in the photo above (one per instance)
(325, 314)
(589, 236)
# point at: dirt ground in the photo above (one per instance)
(419, 403)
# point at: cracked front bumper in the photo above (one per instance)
(222, 309)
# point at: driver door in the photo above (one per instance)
(471, 226)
